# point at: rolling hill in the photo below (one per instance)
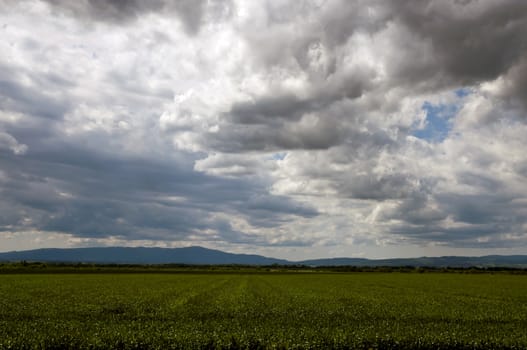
(139, 255)
(205, 256)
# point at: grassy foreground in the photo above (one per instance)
(295, 310)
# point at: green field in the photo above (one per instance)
(263, 310)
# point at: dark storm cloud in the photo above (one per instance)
(189, 12)
(485, 208)
(107, 10)
(140, 220)
(315, 50)
(287, 106)
(35, 99)
(66, 188)
(486, 183)
(377, 187)
(414, 210)
(285, 121)
(331, 25)
(515, 81)
(480, 218)
(270, 205)
(265, 109)
(471, 41)
(434, 45)
(239, 138)
(438, 45)
(483, 236)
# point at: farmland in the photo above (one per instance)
(263, 310)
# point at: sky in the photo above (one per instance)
(288, 128)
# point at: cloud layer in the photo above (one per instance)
(292, 128)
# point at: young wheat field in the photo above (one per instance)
(301, 310)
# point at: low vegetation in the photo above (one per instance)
(298, 310)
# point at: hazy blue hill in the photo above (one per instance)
(338, 262)
(204, 256)
(443, 261)
(122, 255)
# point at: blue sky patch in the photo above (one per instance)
(279, 156)
(438, 121)
(463, 92)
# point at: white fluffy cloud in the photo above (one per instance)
(290, 128)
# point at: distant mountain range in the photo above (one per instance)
(518, 261)
(140, 255)
(204, 256)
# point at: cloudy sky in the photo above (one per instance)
(294, 129)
